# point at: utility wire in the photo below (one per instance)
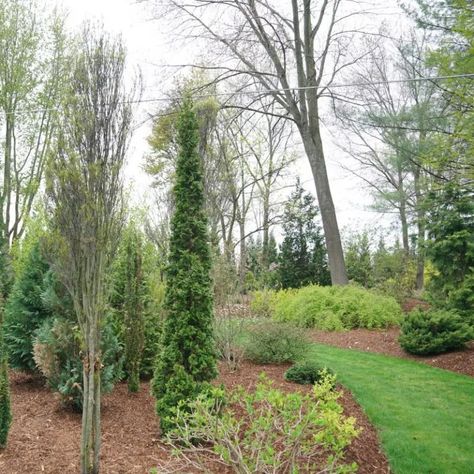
(270, 91)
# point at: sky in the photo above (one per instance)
(150, 46)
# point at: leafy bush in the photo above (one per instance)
(57, 353)
(263, 302)
(337, 308)
(274, 343)
(307, 372)
(267, 431)
(434, 332)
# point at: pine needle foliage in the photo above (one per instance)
(187, 359)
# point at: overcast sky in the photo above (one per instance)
(149, 47)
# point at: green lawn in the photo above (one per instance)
(425, 415)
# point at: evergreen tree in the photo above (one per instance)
(25, 311)
(451, 248)
(5, 409)
(129, 298)
(187, 359)
(303, 256)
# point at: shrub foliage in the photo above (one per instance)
(331, 308)
(57, 353)
(434, 332)
(274, 343)
(267, 431)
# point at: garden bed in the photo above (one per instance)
(45, 438)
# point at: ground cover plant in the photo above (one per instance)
(420, 411)
(330, 308)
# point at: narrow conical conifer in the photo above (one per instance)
(187, 358)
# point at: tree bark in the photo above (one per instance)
(314, 149)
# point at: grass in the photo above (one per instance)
(424, 415)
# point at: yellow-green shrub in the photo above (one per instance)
(263, 302)
(336, 308)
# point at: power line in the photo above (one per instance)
(271, 91)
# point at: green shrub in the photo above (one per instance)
(337, 308)
(57, 353)
(267, 431)
(306, 373)
(274, 343)
(263, 302)
(434, 332)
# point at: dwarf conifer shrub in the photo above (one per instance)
(434, 332)
(306, 373)
(57, 354)
(187, 358)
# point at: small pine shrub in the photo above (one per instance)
(434, 332)
(309, 431)
(274, 343)
(306, 373)
(337, 308)
(57, 354)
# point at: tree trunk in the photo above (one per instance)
(7, 174)
(420, 218)
(90, 439)
(314, 150)
(266, 229)
(404, 224)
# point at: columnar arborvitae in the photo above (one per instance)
(187, 357)
(134, 293)
(5, 410)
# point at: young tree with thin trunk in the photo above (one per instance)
(32, 45)
(84, 189)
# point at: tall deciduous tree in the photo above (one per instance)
(32, 45)
(187, 357)
(84, 188)
(293, 51)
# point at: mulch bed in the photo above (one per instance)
(45, 438)
(386, 342)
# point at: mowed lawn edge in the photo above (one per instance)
(424, 415)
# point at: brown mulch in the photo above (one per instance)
(386, 342)
(44, 438)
